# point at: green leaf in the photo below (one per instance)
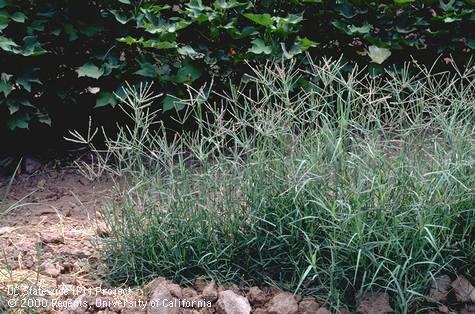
(378, 55)
(18, 17)
(364, 29)
(375, 69)
(19, 121)
(71, 31)
(90, 70)
(25, 79)
(306, 43)
(7, 44)
(151, 43)
(91, 30)
(259, 47)
(5, 88)
(44, 118)
(120, 16)
(261, 19)
(188, 73)
(147, 69)
(231, 4)
(3, 4)
(171, 102)
(124, 1)
(105, 98)
(4, 21)
(31, 47)
(403, 2)
(129, 40)
(471, 43)
(190, 52)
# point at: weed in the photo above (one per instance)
(351, 185)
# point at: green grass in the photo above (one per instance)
(354, 184)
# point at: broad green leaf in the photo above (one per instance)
(19, 121)
(90, 70)
(124, 1)
(188, 72)
(4, 20)
(171, 102)
(26, 79)
(44, 118)
(230, 4)
(403, 2)
(13, 106)
(364, 29)
(147, 69)
(306, 43)
(71, 31)
(120, 16)
(471, 43)
(3, 3)
(5, 88)
(105, 98)
(129, 40)
(259, 47)
(91, 30)
(190, 52)
(18, 17)
(151, 43)
(31, 47)
(261, 19)
(449, 19)
(291, 19)
(7, 44)
(378, 55)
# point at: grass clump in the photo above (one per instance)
(349, 185)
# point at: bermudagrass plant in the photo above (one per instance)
(349, 185)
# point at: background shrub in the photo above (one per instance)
(60, 59)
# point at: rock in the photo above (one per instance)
(160, 298)
(343, 310)
(308, 306)
(209, 292)
(199, 284)
(375, 303)
(175, 290)
(152, 285)
(189, 293)
(323, 310)
(52, 270)
(50, 237)
(463, 289)
(256, 296)
(283, 303)
(231, 303)
(440, 289)
(443, 309)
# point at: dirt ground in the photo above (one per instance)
(47, 227)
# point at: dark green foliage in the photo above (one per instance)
(56, 54)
